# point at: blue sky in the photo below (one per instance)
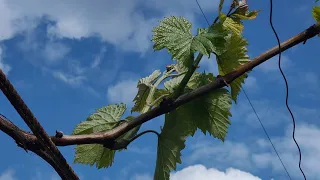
(66, 58)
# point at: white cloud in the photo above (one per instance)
(54, 51)
(307, 137)
(97, 60)
(142, 177)
(272, 64)
(124, 91)
(200, 172)
(260, 155)
(3, 66)
(7, 175)
(119, 22)
(235, 154)
(69, 79)
(48, 52)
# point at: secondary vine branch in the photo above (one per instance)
(110, 136)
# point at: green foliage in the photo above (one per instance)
(174, 34)
(158, 94)
(171, 142)
(94, 153)
(235, 52)
(130, 134)
(209, 113)
(172, 84)
(316, 13)
(144, 88)
(234, 56)
(231, 24)
(234, 22)
(104, 119)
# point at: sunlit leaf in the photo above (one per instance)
(316, 13)
(234, 56)
(209, 113)
(174, 34)
(104, 119)
(144, 87)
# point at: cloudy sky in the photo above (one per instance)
(68, 57)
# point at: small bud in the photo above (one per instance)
(59, 134)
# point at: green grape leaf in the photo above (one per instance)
(104, 119)
(210, 39)
(242, 13)
(193, 80)
(174, 34)
(245, 16)
(94, 153)
(233, 24)
(316, 13)
(130, 134)
(171, 142)
(210, 112)
(181, 68)
(159, 93)
(216, 107)
(144, 86)
(173, 83)
(234, 56)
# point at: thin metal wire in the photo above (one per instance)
(264, 129)
(287, 88)
(202, 12)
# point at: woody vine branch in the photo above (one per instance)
(108, 138)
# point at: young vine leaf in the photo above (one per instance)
(234, 56)
(234, 22)
(316, 13)
(173, 83)
(231, 24)
(104, 119)
(174, 34)
(144, 87)
(130, 134)
(235, 53)
(209, 113)
(243, 13)
(171, 142)
(94, 153)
